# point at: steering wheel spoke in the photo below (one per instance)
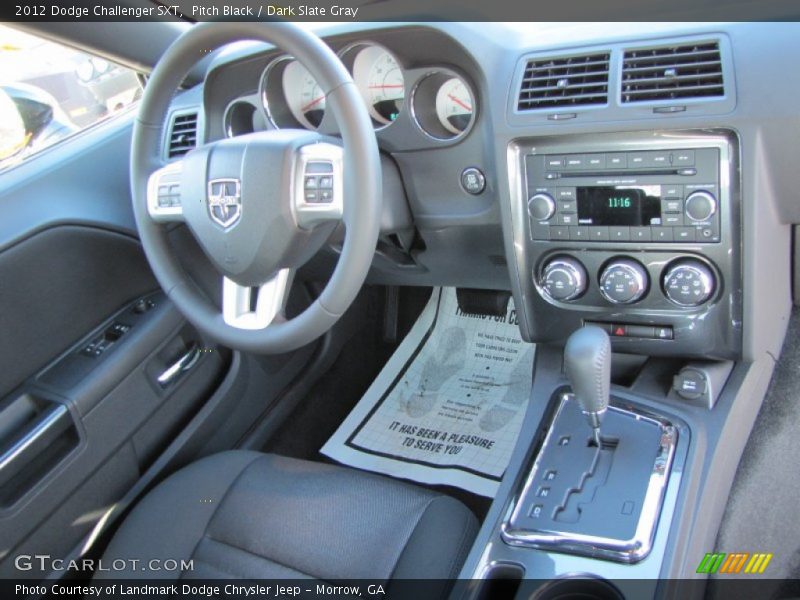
(318, 186)
(164, 193)
(246, 307)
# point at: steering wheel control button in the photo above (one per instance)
(689, 283)
(473, 181)
(623, 281)
(164, 193)
(541, 207)
(700, 206)
(564, 279)
(319, 174)
(319, 188)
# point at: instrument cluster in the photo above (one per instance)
(439, 102)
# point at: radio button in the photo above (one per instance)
(579, 232)
(637, 160)
(661, 234)
(554, 162)
(640, 234)
(619, 234)
(565, 193)
(672, 191)
(618, 160)
(598, 233)
(700, 206)
(671, 205)
(683, 158)
(574, 161)
(684, 234)
(559, 233)
(541, 206)
(673, 220)
(540, 231)
(658, 159)
(567, 219)
(567, 206)
(596, 161)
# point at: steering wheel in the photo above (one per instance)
(249, 200)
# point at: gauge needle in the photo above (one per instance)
(463, 105)
(312, 103)
(380, 87)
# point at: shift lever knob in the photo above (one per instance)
(587, 361)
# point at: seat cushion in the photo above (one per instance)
(250, 515)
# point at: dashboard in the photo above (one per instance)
(631, 175)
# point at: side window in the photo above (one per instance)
(49, 91)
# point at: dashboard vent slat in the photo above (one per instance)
(182, 134)
(568, 81)
(675, 72)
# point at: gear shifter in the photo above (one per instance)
(587, 361)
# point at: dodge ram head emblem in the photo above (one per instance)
(224, 201)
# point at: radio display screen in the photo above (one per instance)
(636, 206)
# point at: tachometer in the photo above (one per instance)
(304, 97)
(454, 105)
(380, 79)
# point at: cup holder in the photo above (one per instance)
(578, 587)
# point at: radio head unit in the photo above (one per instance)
(638, 196)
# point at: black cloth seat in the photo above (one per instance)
(245, 514)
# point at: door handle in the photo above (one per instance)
(179, 368)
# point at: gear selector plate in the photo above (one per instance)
(602, 501)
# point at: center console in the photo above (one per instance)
(623, 244)
(637, 233)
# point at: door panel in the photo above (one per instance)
(57, 286)
(85, 338)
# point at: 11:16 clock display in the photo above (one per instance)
(619, 205)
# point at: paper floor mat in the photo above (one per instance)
(448, 406)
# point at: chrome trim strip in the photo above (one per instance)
(627, 551)
(30, 438)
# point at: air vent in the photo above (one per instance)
(564, 82)
(182, 134)
(682, 72)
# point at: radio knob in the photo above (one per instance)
(623, 281)
(541, 206)
(689, 283)
(700, 206)
(563, 279)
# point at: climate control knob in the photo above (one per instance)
(700, 206)
(563, 279)
(689, 283)
(623, 281)
(541, 206)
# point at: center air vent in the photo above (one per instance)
(675, 72)
(182, 134)
(564, 82)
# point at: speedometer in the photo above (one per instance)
(454, 105)
(304, 97)
(380, 80)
